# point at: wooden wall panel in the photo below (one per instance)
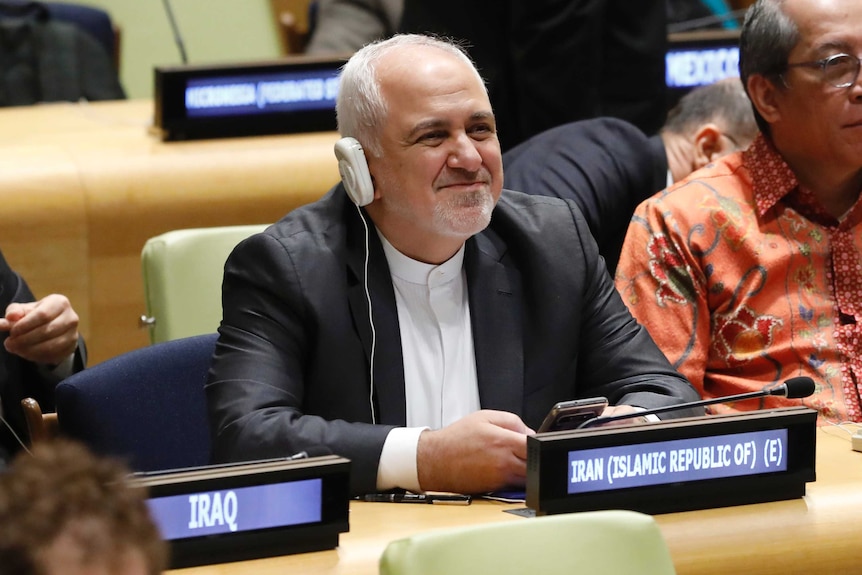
(84, 186)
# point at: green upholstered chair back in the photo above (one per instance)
(612, 542)
(183, 271)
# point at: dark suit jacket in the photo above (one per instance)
(344, 26)
(50, 60)
(607, 166)
(548, 62)
(291, 366)
(20, 378)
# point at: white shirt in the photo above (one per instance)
(440, 379)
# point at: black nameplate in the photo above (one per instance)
(677, 465)
(246, 511)
(291, 95)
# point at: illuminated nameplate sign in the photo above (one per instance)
(699, 58)
(676, 465)
(626, 466)
(241, 509)
(245, 95)
(690, 68)
(244, 511)
(291, 95)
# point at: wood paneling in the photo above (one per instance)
(85, 185)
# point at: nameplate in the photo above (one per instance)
(246, 511)
(677, 465)
(699, 58)
(291, 95)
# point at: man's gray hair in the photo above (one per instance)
(767, 38)
(723, 102)
(360, 107)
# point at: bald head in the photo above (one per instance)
(708, 123)
(723, 103)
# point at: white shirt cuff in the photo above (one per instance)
(398, 460)
(64, 368)
(650, 417)
(60, 371)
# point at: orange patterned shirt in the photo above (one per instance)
(743, 280)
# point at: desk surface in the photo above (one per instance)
(84, 186)
(819, 533)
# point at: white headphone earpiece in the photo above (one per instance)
(353, 168)
(356, 178)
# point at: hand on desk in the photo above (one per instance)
(44, 331)
(485, 451)
(614, 410)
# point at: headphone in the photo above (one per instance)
(356, 178)
(353, 168)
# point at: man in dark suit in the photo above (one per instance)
(608, 166)
(41, 346)
(478, 324)
(344, 26)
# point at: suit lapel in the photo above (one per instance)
(389, 396)
(495, 310)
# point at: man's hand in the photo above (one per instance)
(44, 331)
(485, 451)
(614, 410)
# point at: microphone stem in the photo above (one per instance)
(178, 39)
(666, 408)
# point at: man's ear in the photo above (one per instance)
(763, 94)
(708, 145)
(372, 165)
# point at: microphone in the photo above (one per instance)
(793, 388)
(178, 39)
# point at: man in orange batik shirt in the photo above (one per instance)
(748, 272)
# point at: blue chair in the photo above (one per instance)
(146, 406)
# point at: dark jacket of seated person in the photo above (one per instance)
(47, 60)
(19, 377)
(606, 165)
(291, 367)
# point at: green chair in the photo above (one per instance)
(183, 271)
(610, 542)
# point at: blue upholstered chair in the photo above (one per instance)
(146, 406)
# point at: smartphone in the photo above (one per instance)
(571, 414)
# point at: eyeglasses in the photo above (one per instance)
(840, 70)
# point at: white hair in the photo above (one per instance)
(360, 107)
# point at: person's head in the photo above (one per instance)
(808, 100)
(65, 511)
(768, 35)
(707, 123)
(421, 112)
